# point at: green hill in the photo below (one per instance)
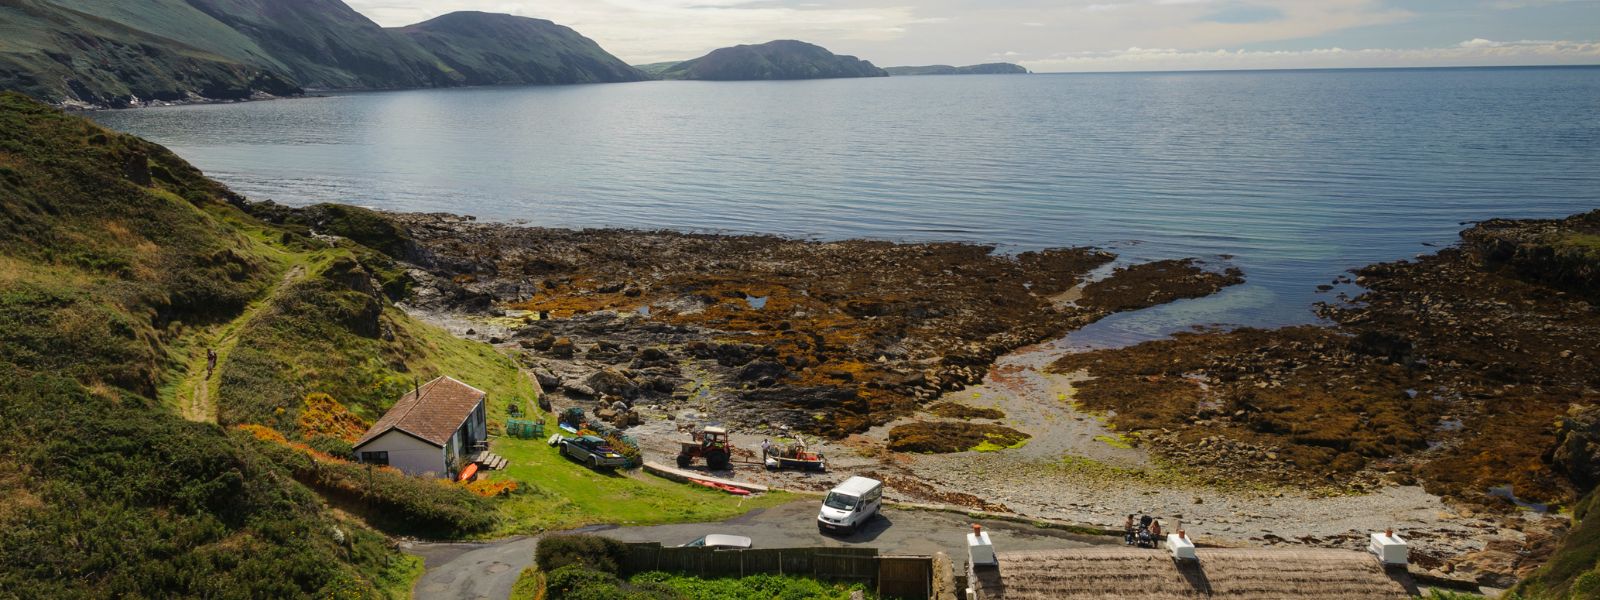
(117, 53)
(120, 267)
(115, 254)
(486, 48)
(128, 468)
(983, 69)
(179, 20)
(327, 44)
(60, 54)
(781, 59)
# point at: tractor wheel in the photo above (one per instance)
(684, 460)
(717, 460)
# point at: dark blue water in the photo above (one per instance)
(1295, 175)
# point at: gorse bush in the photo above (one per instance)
(764, 587)
(574, 582)
(588, 551)
(101, 495)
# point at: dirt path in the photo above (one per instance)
(196, 393)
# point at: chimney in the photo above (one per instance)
(980, 551)
(1389, 548)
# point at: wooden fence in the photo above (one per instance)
(904, 577)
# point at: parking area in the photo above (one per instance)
(896, 531)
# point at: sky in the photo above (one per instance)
(1078, 35)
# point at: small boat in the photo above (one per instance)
(735, 490)
(795, 456)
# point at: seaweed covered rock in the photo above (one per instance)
(1577, 450)
(1563, 253)
(613, 383)
(952, 410)
(946, 437)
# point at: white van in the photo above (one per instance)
(851, 505)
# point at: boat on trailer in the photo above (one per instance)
(795, 456)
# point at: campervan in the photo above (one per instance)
(850, 505)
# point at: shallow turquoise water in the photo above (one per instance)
(1294, 176)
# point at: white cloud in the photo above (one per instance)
(900, 32)
(642, 31)
(1474, 52)
(1514, 4)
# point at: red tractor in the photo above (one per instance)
(710, 444)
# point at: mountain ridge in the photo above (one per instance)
(87, 53)
(470, 42)
(774, 60)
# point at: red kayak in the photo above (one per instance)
(737, 491)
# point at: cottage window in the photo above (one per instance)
(375, 458)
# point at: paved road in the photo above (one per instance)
(486, 571)
(472, 571)
(895, 532)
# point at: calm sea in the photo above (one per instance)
(1293, 176)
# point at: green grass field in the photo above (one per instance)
(555, 492)
(561, 494)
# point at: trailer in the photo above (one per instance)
(794, 456)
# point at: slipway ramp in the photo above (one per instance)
(677, 474)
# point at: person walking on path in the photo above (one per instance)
(211, 361)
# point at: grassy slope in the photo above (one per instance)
(327, 44)
(1574, 570)
(111, 289)
(178, 20)
(104, 489)
(559, 494)
(53, 52)
(111, 52)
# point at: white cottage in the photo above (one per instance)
(435, 430)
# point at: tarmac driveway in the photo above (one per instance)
(486, 571)
(896, 531)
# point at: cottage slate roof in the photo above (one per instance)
(431, 413)
(1220, 573)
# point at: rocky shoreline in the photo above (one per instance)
(1422, 398)
(826, 338)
